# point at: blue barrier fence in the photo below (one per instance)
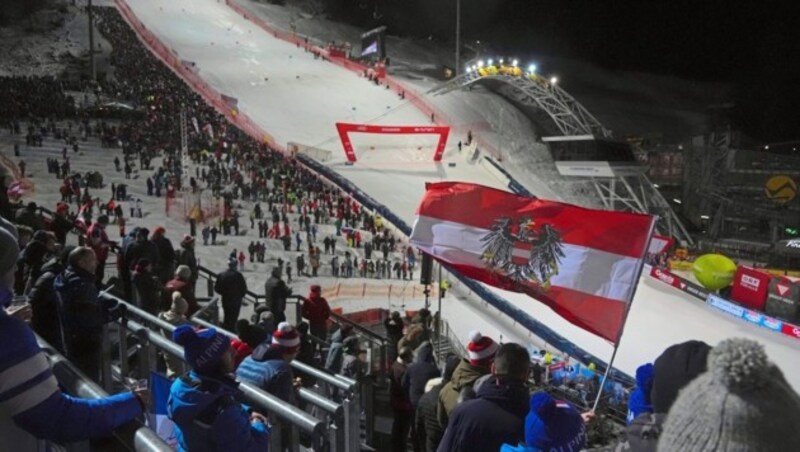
(539, 329)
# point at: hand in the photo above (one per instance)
(297, 383)
(144, 397)
(587, 416)
(258, 417)
(22, 312)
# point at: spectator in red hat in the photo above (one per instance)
(317, 311)
(480, 355)
(268, 366)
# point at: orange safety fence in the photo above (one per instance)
(383, 291)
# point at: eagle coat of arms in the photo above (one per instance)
(523, 251)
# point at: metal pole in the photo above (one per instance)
(438, 332)
(91, 41)
(640, 266)
(458, 37)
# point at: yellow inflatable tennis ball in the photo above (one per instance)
(714, 271)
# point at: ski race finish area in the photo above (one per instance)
(346, 129)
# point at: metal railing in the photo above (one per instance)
(134, 436)
(342, 418)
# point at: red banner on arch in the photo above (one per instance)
(345, 129)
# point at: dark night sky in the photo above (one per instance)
(753, 45)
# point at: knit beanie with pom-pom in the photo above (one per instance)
(741, 403)
(287, 338)
(202, 349)
(480, 349)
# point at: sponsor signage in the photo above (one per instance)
(677, 282)
(725, 305)
(791, 330)
(771, 323)
(750, 287)
(666, 277)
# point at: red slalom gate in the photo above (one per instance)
(345, 129)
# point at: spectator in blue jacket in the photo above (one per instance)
(203, 403)
(268, 366)
(497, 415)
(33, 409)
(639, 401)
(552, 425)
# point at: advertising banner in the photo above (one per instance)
(677, 282)
(791, 330)
(750, 287)
(724, 305)
(783, 300)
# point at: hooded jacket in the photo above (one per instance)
(464, 377)
(333, 363)
(316, 310)
(495, 417)
(209, 418)
(267, 369)
(639, 400)
(419, 372)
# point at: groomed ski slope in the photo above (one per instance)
(302, 98)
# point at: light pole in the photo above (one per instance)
(91, 42)
(458, 37)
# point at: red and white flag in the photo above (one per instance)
(582, 263)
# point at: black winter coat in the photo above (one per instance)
(429, 431)
(276, 292)
(494, 418)
(418, 374)
(44, 308)
(231, 286)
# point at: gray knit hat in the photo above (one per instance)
(742, 403)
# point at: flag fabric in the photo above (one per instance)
(158, 419)
(582, 263)
(660, 244)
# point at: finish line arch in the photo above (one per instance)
(345, 129)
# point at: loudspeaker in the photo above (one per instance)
(426, 272)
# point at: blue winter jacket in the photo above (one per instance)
(30, 396)
(519, 448)
(494, 418)
(266, 369)
(208, 417)
(639, 400)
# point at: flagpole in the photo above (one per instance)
(640, 268)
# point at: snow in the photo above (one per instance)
(301, 101)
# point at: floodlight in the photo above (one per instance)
(515, 63)
(553, 80)
(532, 68)
(491, 62)
(704, 217)
(677, 201)
(501, 61)
(480, 63)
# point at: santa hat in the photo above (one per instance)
(187, 240)
(480, 349)
(286, 337)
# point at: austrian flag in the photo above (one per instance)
(582, 263)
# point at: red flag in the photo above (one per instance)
(584, 264)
